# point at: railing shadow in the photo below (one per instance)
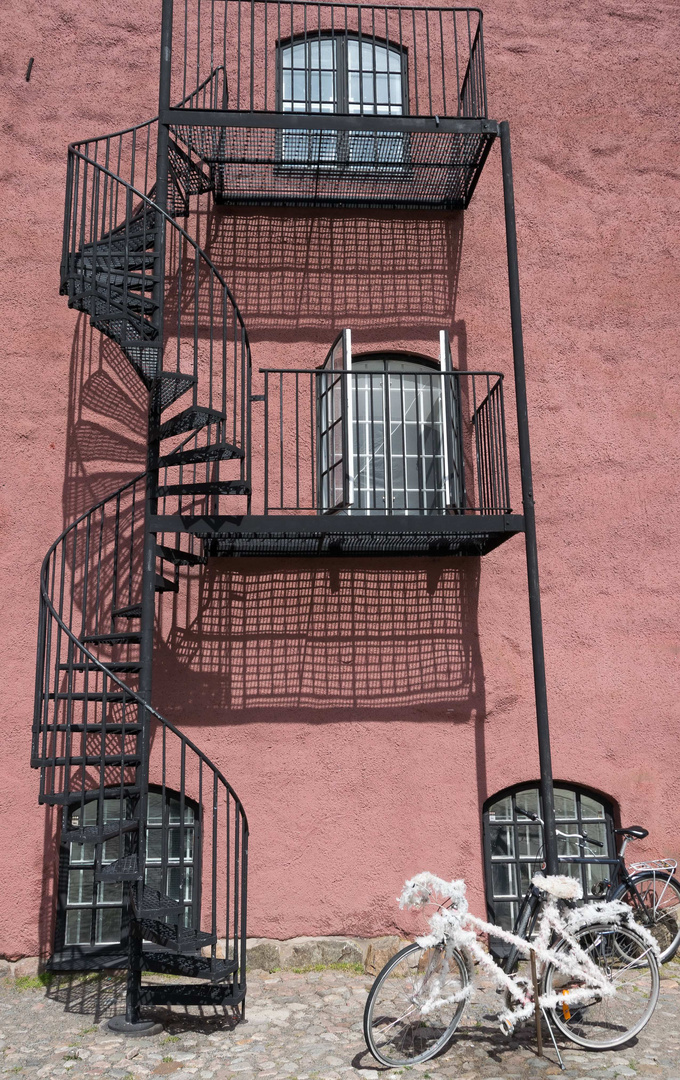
(313, 639)
(390, 275)
(101, 995)
(106, 422)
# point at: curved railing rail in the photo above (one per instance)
(90, 724)
(178, 323)
(105, 754)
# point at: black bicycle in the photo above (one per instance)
(649, 888)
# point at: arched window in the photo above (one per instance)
(390, 433)
(342, 73)
(513, 844)
(400, 463)
(91, 913)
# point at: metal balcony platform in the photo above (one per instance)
(422, 163)
(302, 103)
(349, 535)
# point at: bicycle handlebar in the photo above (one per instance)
(558, 832)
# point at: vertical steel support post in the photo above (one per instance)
(545, 758)
(151, 505)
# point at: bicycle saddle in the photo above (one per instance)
(633, 832)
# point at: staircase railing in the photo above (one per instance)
(89, 722)
(110, 269)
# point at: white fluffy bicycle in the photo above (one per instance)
(595, 971)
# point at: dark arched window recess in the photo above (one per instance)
(342, 72)
(513, 844)
(91, 926)
(390, 433)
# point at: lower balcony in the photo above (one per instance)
(377, 455)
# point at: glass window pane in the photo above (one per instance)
(154, 844)
(174, 840)
(80, 886)
(504, 879)
(594, 874)
(174, 880)
(506, 913)
(568, 845)
(108, 926)
(153, 877)
(155, 807)
(526, 872)
(527, 800)
(82, 853)
(111, 850)
(530, 839)
(501, 810)
(591, 808)
(597, 831)
(565, 804)
(112, 810)
(110, 892)
(78, 926)
(174, 809)
(502, 841)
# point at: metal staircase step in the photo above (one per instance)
(192, 419)
(98, 834)
(212, 487)
(191, 966)
(163, 584)
(201, 454)
(132, 611)
(173, 384)
(183, 939)
(180, 558)
(155, 905)
(123, 869)
(124, 638)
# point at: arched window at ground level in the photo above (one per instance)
(513, 844)
(91, 913)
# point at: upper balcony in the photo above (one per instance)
(331, 104)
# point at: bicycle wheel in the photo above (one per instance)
(661, 899)
(605, 1022)
(396, 1029)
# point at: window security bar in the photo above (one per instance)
(365, 443)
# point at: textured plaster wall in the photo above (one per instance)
(363, 716)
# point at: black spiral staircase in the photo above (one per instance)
(145, 283)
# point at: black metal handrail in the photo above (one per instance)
(87, 719)
(366, 442)
(190, 338)
(442, 49)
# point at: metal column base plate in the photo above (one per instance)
(142, 1027)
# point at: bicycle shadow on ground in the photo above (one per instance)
(101, 995)
(488, 1036)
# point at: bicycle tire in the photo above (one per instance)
(406, 977)
(663, 914)
(606, 1023)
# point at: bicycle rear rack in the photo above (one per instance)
(660, 866)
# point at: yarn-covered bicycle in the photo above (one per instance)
(596, 970)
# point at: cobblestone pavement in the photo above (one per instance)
(303, 1026)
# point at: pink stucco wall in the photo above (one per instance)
(363, 711)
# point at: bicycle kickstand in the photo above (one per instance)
(552, 1036)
